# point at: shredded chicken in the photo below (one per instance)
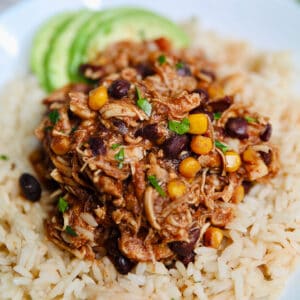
(120, 165)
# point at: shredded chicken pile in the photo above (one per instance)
(101, 161)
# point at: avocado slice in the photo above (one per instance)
(56, 62)
(132, 24)
(41, 42)
(83, 36)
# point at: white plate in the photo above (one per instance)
(268, 24)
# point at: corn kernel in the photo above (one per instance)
(189, 167)
(213, 237)
(198, 123)
(201, 144)
(60, 145)
(98, 97)
(250, 155)
(238, 194)
(232, 161)
(176, 188)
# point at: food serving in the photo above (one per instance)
(156, 170)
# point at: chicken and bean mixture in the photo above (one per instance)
(149, 158)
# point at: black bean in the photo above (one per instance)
(123, 264)
(266, 157)
(220, 105)
(185, 248)
(237, 128)
(184, 70)
(97, 146)
(120, 125)
(187, 259)
(149, 132)
(267, 132)
(145, 69)
(174, 145)
(203, 94)
(119, 88)
(247, 186)
(30, 187)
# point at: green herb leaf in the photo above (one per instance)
(221, 146)
(161, 59)
(179, 127)
(54, 116)
(143, 103)
(145, 106)
(120, 158)
(179, 65)
(62, 205)
(142, 34)
(70, 231)
(217, 115)
(250, 119)
(152, 179)
(3, 157)
(115, 146)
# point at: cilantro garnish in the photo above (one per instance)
(152, 179)
(120, 158)
(115, 146)
(62, 205)
(143, 103)
(217, 115)
(161, 59)
(221, 146)
(3, 157)
(53, 116)
(69, 230)
(179, 127)
(250, 119)
(179, 65)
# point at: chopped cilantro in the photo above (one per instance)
(217, 115)
(115, 146)
(143, 103)
(179, 65)
(161, 59)
(3, 157)
(120, 158)
(54, 116)
(250, 119)
(69, 230)
(74, 129)
(62, 205)
(179, 127)
(221, 146)
(152, 179)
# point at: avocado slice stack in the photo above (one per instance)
(67, 40)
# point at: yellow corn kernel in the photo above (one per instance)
(189, 167)
(249, 155)
(238, 194)
(201, 144)
(60, 145)
(198, 123)
(232, 161)
(213, 237)
(98, 97)
(176, 188)
(215, 91)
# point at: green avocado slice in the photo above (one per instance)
(42, 41)
(56, 62)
